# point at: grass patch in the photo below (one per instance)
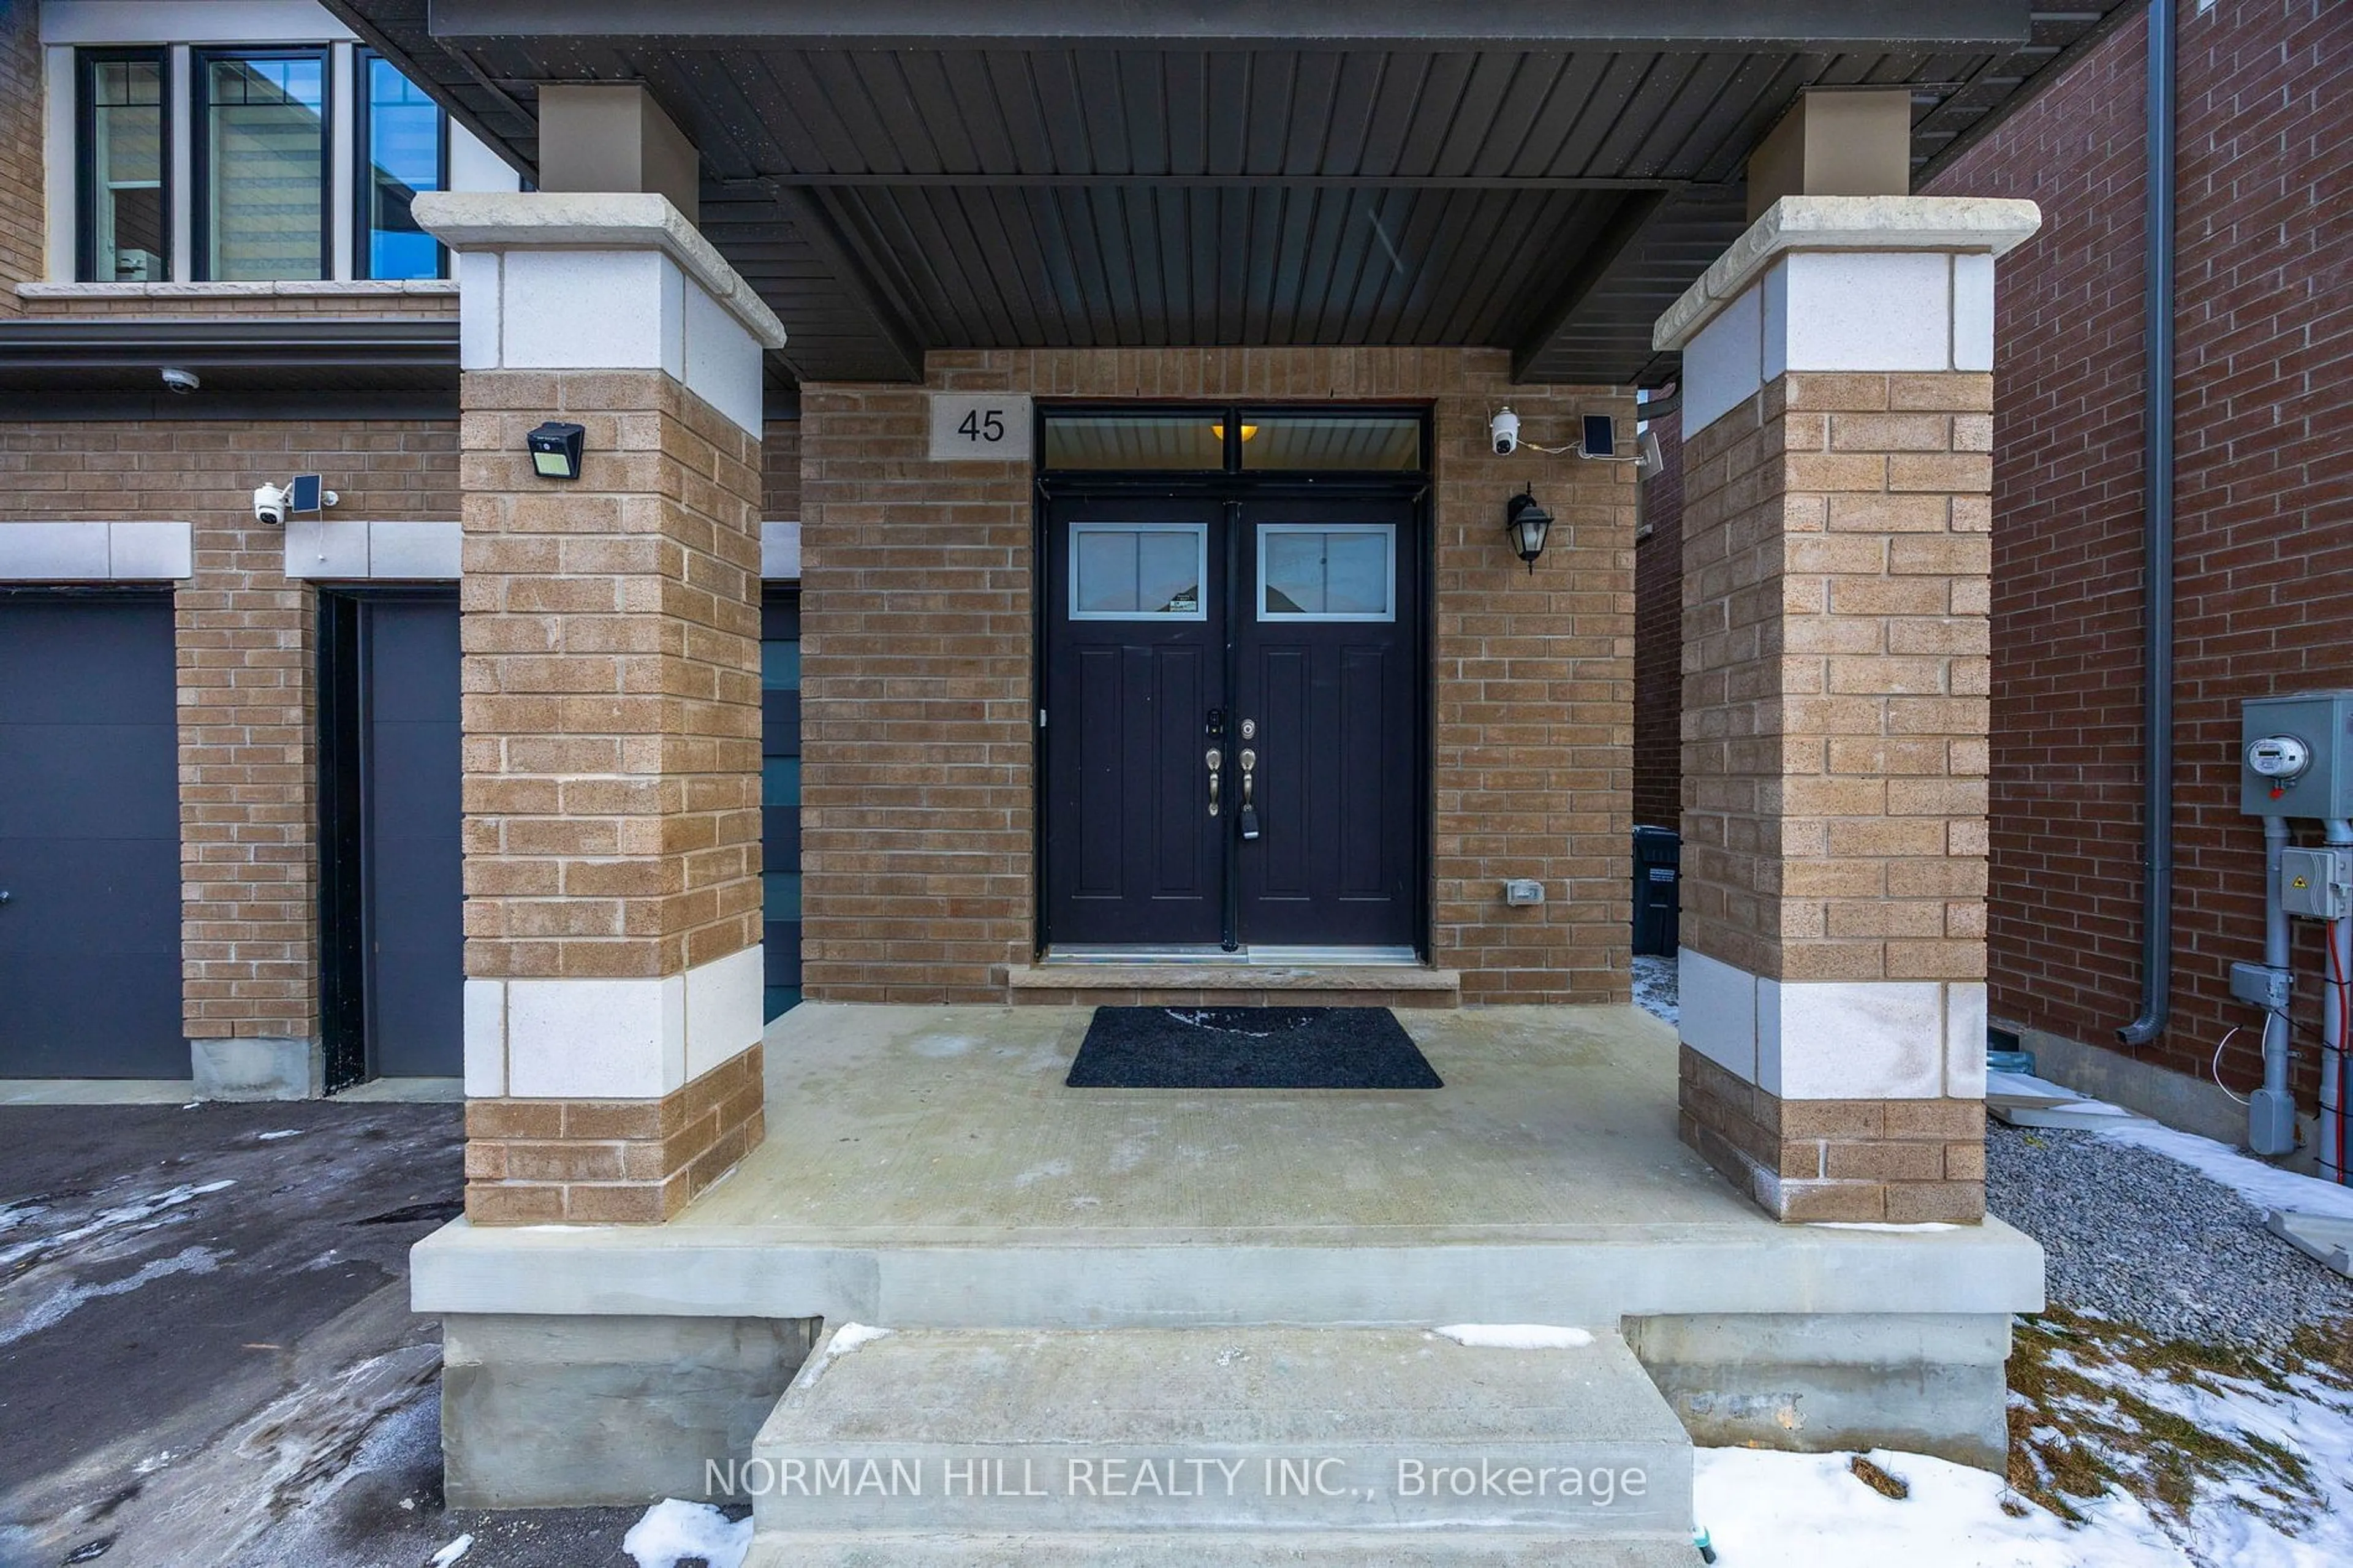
(2090, 1411)
(1881, 1481)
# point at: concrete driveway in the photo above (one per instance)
(206, 1356)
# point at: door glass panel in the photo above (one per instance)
(265, 148)
(1138, 571)
(1358, 443)
(127, 219)
(1317, 573)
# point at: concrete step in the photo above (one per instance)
(1101, 984)
(1230, 1446)
(1205, 1548)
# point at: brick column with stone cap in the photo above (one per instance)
(611, 631)
(1838, 471)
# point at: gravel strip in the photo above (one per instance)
(2133, 1234)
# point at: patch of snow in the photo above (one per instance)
(294, 1132)
(1050, 1170)
(1923, 1226)
(672, 1532)
(1657, 987)
(1768, 1509)
(138, 1212)
(1515, 1336)
(851, 1337)
(188, 1260)
(2264, 1186)
(451, 1552)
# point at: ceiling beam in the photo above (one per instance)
(1624, 228)
(814, 222)
(924, 24)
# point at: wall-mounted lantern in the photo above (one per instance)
(555, 450)
(1525, 524)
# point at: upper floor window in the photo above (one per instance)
(404, 146)
(299, 164)
(261, 177)
(126, 204)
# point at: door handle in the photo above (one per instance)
(1250, 776)
(1217, 761)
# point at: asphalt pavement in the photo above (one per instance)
(206, 1356)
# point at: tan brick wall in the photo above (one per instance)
(1835, 590)
(780, 471)
(249, 762)
(21, 195)
(1835, 671)
(918, 788)
(612, 710)
(610, 1161)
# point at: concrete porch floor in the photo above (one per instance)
(925, 1166)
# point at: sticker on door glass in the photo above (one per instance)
(1138, 571)
(1310, 572)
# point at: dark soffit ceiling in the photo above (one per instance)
(1051, 173)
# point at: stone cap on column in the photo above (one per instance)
(602, 280)
(581, 220)
(1843, 284)
(1981, 226)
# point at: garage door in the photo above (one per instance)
(89, 838)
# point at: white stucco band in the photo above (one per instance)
(97, 552)
(565, 280)
(610, 1039)
(1843, 283)
(1837, 1039)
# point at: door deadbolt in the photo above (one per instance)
(1250, 729)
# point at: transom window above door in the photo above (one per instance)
(1319, 439)
(1139, 571)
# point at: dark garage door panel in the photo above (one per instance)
(90, 839)
(414, 878)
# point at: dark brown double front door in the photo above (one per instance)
(1232, 722)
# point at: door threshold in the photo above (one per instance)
(1064, 954)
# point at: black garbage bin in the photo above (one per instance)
(1658, 867)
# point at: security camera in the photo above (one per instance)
(181, 381)
(270, 505)
(1504, 429)
(303, 493)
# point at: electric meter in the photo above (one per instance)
(2279, 757)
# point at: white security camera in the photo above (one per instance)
(270, 505)
(303, 493)
(181, 381)
(1504, 429)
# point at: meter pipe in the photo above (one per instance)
(2278, 953)
(2336, 996)
(2157, 552)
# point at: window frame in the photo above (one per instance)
(86, 61)
(1386, 531)
(362, 174)
(200, 169)
(1200, 534)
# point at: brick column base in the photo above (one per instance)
(610, 1161)
(1908, 1162)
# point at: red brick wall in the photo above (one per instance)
(1658, 638)
(20, 149)
(2264, 500)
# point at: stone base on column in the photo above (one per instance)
(611, 1162)
(1903, 1162)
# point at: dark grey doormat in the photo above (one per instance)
(1249, 1047)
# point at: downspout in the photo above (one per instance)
(2156, 553)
